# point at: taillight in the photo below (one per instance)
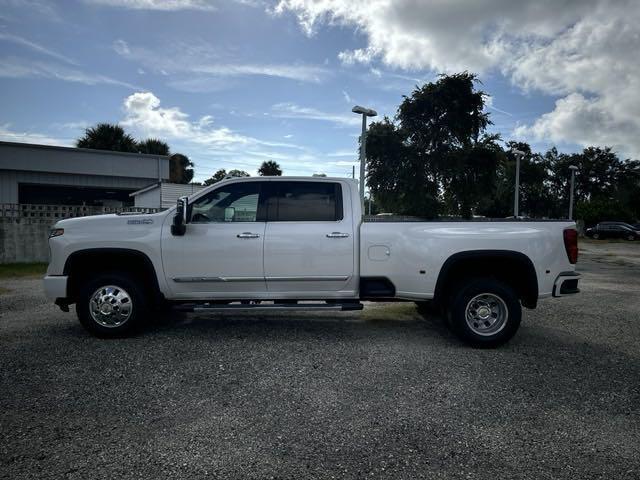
(571, 244)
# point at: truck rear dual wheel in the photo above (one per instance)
(111, 305)
(485, 313)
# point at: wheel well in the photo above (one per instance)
(81, 264)
(513, 268)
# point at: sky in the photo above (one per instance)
(234, 83)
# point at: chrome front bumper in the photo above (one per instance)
(55, 286)
(566, 284)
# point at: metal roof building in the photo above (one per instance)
(43, 174)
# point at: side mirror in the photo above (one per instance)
(179, 226)
(229, 213)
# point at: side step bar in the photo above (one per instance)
(207, 307)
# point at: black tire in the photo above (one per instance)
(486, 291)
(126, 287)
(631, 238)
(595, 236)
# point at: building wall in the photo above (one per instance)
(24, 229)
(172, 191)
(43, 158)
(148, 199)
(165, 195)
(41, 164)
(10, 179)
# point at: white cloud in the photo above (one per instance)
(205, 67)
(8, 37)
(291, 110)
(144, 115)
(344, 153)
(583, 51)
(212, 146)
(11, 67)
(305, 73)
(166, 5)
(9, 135)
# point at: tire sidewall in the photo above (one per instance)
(128, 283)
(469, 290)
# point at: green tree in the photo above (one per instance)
(106, 136)
(238, 173)
(154, 146)
(269, 168)
(216, 177)
(180, 168)
(536, 200)
(437, 157)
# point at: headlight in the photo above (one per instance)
(56, 232)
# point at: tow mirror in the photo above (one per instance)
(179, 226)
(229, 213)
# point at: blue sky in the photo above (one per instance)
(234, 83)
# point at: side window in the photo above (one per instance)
(306, 202)
(238, 202)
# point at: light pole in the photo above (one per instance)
(573, 169)
(516, 197)
(365, 112)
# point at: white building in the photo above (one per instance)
(162, 194)
(48, 175)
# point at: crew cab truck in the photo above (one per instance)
(290, 242)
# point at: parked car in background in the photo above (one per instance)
(613, 230)
(624, 224)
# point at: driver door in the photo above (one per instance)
(221, 253)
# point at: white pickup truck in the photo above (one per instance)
(291, 242)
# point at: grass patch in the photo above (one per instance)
(12, 270)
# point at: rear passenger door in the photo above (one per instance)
(309, 239)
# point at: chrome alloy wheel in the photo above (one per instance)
(486, 314)
(110, 306)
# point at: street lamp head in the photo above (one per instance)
(573, 167)
(364, 111)
(519, 153)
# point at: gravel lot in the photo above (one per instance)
(380, 394)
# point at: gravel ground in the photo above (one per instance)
(380, 394)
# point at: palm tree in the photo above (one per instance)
(105, 136)
(154, 146)
(270, 168)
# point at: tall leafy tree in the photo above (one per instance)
(106, 136)
(180, 168)
(216, 177)
(437, 156)
(270, 168)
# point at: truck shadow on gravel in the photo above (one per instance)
(399, 322)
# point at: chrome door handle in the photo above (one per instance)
(337, 235)
(248, 235)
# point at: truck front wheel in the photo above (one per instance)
(485, 312)
(111, 305)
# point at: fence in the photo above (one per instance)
(24, 228)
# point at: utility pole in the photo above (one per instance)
(365, 112)
(516, 196)
(573, 169)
